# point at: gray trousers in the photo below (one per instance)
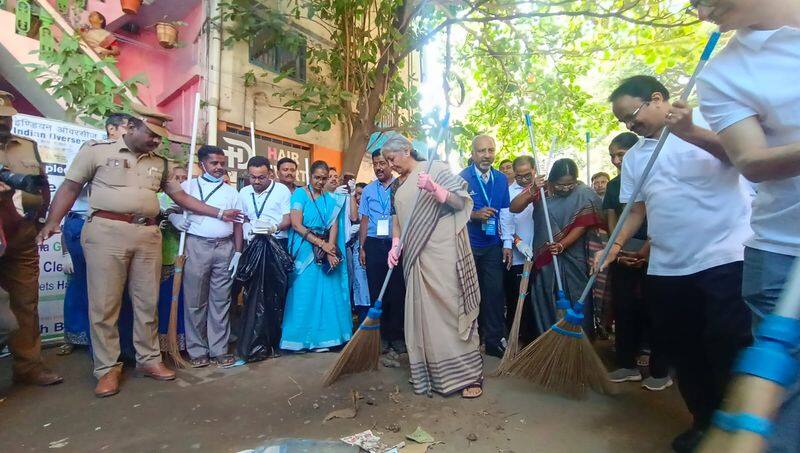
(206, 291)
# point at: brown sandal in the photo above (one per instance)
(199, 362)
(225, 360)
(465, 392)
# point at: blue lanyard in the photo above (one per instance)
(384, 204)
(483, 188)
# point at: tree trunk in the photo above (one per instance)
(370, 106)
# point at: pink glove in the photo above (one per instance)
(394, 253)
(425, 183)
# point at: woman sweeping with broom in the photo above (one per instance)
(442, 296)
(574, 211)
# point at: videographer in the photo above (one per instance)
(21, 216)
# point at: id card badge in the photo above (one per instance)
(490, 227)
(383, 227)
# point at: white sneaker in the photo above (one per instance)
(657, 384)
(625, 375)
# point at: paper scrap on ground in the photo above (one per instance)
(349, 412)
(366, 441)
(420, 436)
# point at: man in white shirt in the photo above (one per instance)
(697, 214)
(265, 203)
(746, 93)
(517, 235)
(213, 248)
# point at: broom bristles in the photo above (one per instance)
(562, 363)
(512, 348)
(360, 354)
(173, 348)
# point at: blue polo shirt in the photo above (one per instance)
(376, 204)
(494, 194)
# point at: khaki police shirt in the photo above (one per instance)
(122, 181)
(21, 156)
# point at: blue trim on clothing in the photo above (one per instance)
(499, 200)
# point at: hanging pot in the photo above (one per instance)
(130, 6)
(167, 34)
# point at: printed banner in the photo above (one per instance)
(58, 144)
(236, 144)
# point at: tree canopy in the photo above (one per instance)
(557, 59)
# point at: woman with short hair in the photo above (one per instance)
(442, 296)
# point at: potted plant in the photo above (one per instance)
(167, 33)
(130, 6)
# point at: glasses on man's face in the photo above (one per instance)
(524, 178)
(632, 117)
(259, 178)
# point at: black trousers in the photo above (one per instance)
(394, 300)
(700, 322)
(632, 315)
(511, 282)
(490, 267)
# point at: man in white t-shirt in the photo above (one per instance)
(517, 235)
(747, 95)
(697, 214)
(265, 203)
(213, 249)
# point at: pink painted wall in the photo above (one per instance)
(173, 75)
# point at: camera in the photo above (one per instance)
(27, 183)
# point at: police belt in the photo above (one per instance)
(127, 218)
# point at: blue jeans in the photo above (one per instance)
(763, 280)
(76, 299)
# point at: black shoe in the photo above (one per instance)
(687, 441)
(496, 350)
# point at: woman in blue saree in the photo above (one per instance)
(317, 315)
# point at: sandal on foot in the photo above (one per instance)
(199, 362)
(469, 393)
(65, 349)
(225, 360)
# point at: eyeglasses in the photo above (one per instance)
(632, 117)
(565, 187)
(259, 178)
(523, 178)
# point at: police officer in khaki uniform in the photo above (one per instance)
(122, 241)
(21, 214)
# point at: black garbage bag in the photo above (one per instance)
(264, 275)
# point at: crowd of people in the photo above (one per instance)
(701, 259)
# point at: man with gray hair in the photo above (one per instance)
(492, 252)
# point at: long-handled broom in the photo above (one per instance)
(562, 359)
(363, 351)
(172, 329)
(764, 372)
(512, 348)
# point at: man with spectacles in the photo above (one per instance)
(697, 213)
(265, 202)
(519, 228)
(746, 93)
